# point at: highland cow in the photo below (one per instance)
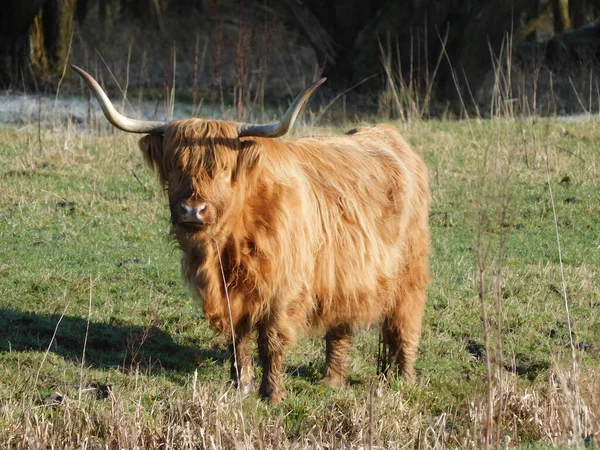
(325, 234)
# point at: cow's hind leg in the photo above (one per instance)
(242, 374)
(337, 346)
(272, 342)
(401, 334)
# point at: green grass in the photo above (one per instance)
(76, 226)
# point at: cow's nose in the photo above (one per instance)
(192, 213)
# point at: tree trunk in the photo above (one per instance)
(35, 38)
(577, 12)
(565, 52)
(532, 16)
(562, 21)
(14, 40)
(57, 18)
(332, 29)
(480, 38)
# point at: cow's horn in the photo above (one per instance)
(284, 125)
(118, 120)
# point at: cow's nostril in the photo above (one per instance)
(202, 208)
(184, 209)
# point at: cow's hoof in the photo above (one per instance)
(273, 396)
(246, 388)
(333, 382)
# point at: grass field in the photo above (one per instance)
(102, 347)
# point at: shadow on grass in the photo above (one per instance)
(312, 372)
(108, 345)
(122, 346)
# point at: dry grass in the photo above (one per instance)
(140, 414)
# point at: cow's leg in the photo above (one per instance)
(337, 346)
(242, 375)
(402, 332)
(272, 341)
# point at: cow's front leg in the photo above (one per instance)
(242, 374)
(338, 340)
(272, 341)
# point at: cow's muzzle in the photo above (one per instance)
(192, 213)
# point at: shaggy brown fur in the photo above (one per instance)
(319, 233)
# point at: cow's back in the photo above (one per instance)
(364, 193)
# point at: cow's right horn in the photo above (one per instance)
(286, 122)
(114, 117)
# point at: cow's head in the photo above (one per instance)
(199, 162)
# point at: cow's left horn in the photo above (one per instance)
(114, 117)
(284, 125)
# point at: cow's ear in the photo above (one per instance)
(152, 149)
(248, 161)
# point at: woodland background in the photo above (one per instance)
(443, 55)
